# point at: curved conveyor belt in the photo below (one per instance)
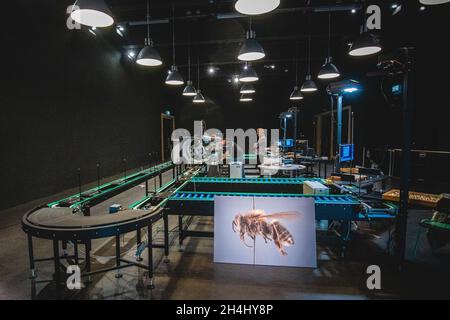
(63, 224)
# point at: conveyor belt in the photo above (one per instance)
(256, 180)
(63, 224)
(250, 185)
(98, 194)
(328, 207)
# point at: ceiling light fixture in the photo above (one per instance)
(329, 70)
(256, 7)
(199, 98)
(246, 98)
(92, 13)
(296, 94)
(433, 2)
(251, 50)
(174, 78)
(148, 56)
(366, 44)
(247, 88)
(248, 74)
(309, 85)
(189, 90)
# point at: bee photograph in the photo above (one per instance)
(278, 232)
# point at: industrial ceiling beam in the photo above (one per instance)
(236, 15)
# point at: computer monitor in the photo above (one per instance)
(287, 143)
(347, 152)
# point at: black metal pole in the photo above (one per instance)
(166, 236)
(98, 176)
(339, 133)
(402, 218)
(79, 182)
(124, 168)
(56, 263)
(150, 256)
(31, 256)
(118, 274)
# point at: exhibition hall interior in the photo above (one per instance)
(225, 150)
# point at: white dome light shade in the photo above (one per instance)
(149, 57)
(309, 85)
(199, 98)
(296, 94)
(189, 90)
(247, 88)
(255, 7)
(433, 2)
(248, 75)
(92, 13)
(246, 98)
(251, 50)
(329, 71)
(174, 78)
(365, 45)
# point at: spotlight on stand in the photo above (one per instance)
(339, 89)
(342, 87)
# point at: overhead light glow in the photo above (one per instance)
(92, 13)
(256, 7)
(353, 11)
(350, 90)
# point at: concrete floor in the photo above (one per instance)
(191, 273)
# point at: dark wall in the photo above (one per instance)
(68, 100)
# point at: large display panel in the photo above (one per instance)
(265, 231)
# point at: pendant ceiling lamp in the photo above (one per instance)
(92, 13)
(148, 56)
(329, 70)
(433, 2)
(309, 85)
(251, 50)
(246, 98)
(199, 98)
(174, 78)
(296, 94)
(248, 74)
(247, 88)
(189, 90)
(366, 44)
(256, 7)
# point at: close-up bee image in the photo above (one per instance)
(257, 223)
